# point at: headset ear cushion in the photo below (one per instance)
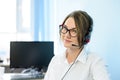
(87, 39)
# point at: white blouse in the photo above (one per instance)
(87, 66)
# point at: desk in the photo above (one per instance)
(7, 76)
(9, 73)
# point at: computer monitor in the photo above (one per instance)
(32, 54)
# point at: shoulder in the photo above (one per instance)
(98, 66)
(93, 56)
(95, 60)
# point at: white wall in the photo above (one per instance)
(105, 37)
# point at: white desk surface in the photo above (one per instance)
(7, 76)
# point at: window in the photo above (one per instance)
(15, 24)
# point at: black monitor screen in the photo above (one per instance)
(30, 54)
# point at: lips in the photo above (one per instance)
(67, 41)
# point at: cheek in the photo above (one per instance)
(75, 40)
(62, 37)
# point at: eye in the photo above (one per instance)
(64, 30)
(73, 30)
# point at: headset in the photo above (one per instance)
(87, 36)
(90, 28)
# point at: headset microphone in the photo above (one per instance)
(75, 45)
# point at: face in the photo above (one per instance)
(67, 37)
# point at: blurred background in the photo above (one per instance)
(39, 20)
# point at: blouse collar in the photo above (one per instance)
(82, 56)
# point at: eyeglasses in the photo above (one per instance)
(64, 30)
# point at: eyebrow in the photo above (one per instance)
(67, 27)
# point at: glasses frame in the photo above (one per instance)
(61, 27)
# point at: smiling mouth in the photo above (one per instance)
(68, 41)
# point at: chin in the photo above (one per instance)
(67, 46)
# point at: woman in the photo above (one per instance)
(76, 63)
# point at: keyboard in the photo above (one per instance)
(25, 76)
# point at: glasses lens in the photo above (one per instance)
(64, 30)
(73, 32)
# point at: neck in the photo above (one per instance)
(72, 54)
